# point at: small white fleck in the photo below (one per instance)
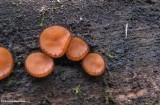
(80, 18)
(42, 9)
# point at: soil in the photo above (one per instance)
(133, 60)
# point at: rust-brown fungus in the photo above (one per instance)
(54, 41)
(77, 49)
(94, 64)
(39, 64)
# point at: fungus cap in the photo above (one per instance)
(94, 64)
(54, 41)
(6, 63)
(39, 64)
(77, 49)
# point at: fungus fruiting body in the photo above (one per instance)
(6, 63)
(54, 41)
(94, 64)
(39, 65)
(77, 49)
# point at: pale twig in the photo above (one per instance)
(42, 11)
(126, 31)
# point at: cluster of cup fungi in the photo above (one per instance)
(55, 42)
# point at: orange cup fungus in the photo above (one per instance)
(54, 41)
(39, 65)
(94, 64)
(77, 49)
(6, 63)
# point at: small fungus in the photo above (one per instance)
(39, 65)
(77, 49)
(6, 63)
(94, 64)
(54, 41)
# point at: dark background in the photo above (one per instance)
(133, 77)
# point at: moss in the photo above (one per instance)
(111, 56)
(10, 82)
(78, 90)
(19, 63)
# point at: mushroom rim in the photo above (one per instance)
(50, 55)
(105, 68)
(12, 67)
(76, 59)
(33, 75)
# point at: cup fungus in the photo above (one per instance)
(94, 64)
(77, 49)
(6, 63)
(39, 65)
(54, 41)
